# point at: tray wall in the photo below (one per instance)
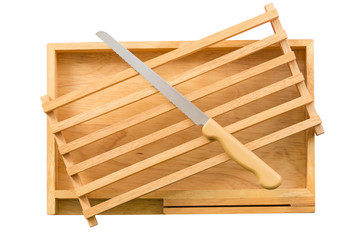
(235, 194)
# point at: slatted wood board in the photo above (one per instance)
(113, 139)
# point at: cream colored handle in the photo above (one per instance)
(268, 178)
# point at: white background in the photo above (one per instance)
(27, 27)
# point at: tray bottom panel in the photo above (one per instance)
(156, 206)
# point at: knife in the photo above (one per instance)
(268, 178)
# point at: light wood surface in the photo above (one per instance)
(198, 142)
(188, 123)
(126, 141)
(240, 209)
(174, 177)
(222, 106)
(294, 67)
(51, 144)
(310, 137)
(167, 106)
(268, 178)
(241, 196)
(178, 126)
(154, 203)
(84, 201)
(197, 71)
(171, 56)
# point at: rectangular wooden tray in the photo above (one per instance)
(225, 188)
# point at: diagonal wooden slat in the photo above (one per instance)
(75, 179)
(165, 58)
(73, 170)
(138, 118)
(191, 145)
(192, 73)
(196, 168)
(294, 68)
(101, 158)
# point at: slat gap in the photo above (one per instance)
(190, 74)
(151, 113)
(294, 68)
(188, 146)
(230, 206)
(165, 58)
(75, 179)
(196, 168)
(106, 156)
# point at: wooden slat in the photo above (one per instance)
(101, 158)
(51, 144)
(75, 179)
(167, 106)
(152, 186)
(196, 168)
(310, 163)
(167, 57)
(308, 201)
(240, 209)
(51, 171)
(189, 48)
(188, 146)
(201, 194)
(96, 47)
(294, 68)
(192, 73)
(298, 127)
(309, 53)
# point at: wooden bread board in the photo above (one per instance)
(80, 64)
(127, 150)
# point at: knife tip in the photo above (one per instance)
(99, 33)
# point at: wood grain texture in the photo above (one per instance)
(244, 201)
(167, 106)
(51, 144)
(136, 206)
(310, 176)
(115, 152)
(242, 196)
(240, 209)
(285, 46)
(164, 46)
(171, 56)
(174, 177)
(84, 201)
(129, 132)
(192, 73)
(268, 178)
(115, 176)
(259, 81)
(241, 201)
(198, 142)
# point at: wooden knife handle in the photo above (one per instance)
(268, 178)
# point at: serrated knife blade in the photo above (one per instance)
(194, 113)
(268, 178)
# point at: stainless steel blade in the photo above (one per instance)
(194, 113)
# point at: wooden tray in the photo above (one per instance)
(270, 117)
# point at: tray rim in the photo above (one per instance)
(307, 194)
